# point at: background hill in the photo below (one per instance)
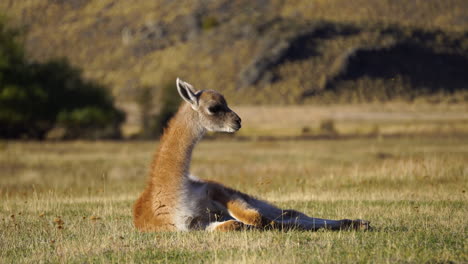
(258, 52)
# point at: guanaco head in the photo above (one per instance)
(212, 108)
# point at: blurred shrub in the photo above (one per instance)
(209, 22)
(36, 97)
(306, 130)
(145, 100)
(90, 122)
(167, 103)
(327, 127)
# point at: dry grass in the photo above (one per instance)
(387, 120)
(391, 119)
(71, 202)
(91, 35)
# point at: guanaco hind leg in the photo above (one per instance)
(301, 222)
(249, 218)
(260, 214)
(229, 225)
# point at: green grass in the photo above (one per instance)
(413, 190)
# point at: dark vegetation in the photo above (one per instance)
(424, 62)
(406, 71)
(165, 99)
(36, 98)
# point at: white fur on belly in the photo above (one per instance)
(191, 203)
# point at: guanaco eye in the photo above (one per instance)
(215, 109)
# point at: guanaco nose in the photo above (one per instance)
(238, 121)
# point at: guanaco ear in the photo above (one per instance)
(188, 93)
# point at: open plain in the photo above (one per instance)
(71, 202)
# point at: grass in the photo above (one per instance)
(71, 202)
(363, 120)
(390, 119)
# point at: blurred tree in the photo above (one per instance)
(167, 102)
(145, 100)
(36, 97)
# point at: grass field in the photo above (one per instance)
(71, 202)
(390, 119)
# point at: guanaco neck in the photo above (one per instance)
(172, 160)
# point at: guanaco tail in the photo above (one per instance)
(175, 200)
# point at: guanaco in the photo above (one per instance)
(176, 200)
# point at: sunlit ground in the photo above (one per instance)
(71, 202)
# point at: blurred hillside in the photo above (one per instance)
(268, 52)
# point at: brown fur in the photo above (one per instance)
(230, 225)
(153, 210)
